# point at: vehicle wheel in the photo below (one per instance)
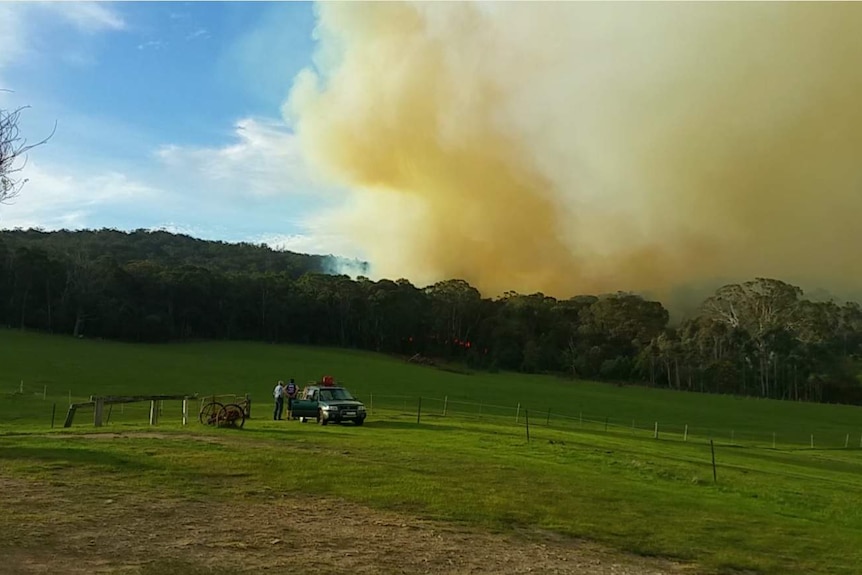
(209, 412)
(231, 415)
(320, 419)
(359, 420)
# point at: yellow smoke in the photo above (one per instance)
(591, 147)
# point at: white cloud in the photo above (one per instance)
(200, 33)
(265, 161)
(56, 198)
(152, 44)
(89, 16)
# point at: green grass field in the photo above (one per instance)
(592, 468)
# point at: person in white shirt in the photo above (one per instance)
(278, 394)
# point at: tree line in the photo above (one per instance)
(759, 338)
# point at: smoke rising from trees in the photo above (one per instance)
(590, 147)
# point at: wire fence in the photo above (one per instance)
(549, 417)
(50, 400)
(555, 418)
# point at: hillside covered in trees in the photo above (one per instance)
(759, 338)
(170, 250)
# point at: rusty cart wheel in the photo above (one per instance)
(209, 412)
(231, 415)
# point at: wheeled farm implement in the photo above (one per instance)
(225, 410)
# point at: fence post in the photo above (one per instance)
(154, 412)
(70, 415)
(548, 422)
(419, 410)
(847, 441)
(685, 434)
(45, 393)
(247, 408)
(712, 448)
(186, 410)
(21, 389)
(108, 417)
(527, 421)
(655, 433)
(812, 441)
(517, 413)
(97, 412)
(53, 412)
(445, 405)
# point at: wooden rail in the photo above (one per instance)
(98, 403)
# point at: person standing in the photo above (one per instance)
(278, 393)
(290, 391)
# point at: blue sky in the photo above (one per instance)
(168, 116)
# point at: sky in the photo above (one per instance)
(664, 148)
(168, 116)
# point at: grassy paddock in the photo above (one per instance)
(81, 368)
(791, 509)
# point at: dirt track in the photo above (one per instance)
(61, 530)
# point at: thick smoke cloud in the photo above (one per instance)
(592, 147)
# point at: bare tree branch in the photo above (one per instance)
(13, 152)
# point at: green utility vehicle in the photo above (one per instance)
(327, 404)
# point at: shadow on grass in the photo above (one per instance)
(71, 456)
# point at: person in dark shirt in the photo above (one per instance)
(291, 390)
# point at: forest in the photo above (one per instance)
(759, 338)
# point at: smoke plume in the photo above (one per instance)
(590, 147)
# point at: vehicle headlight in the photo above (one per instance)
(330, 408)
(360, 408)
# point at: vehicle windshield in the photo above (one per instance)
(334, 394)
